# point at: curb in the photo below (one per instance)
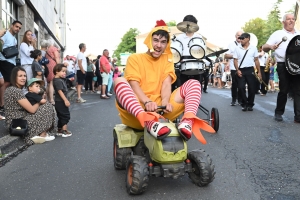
(11, 144)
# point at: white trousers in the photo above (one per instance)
(28, 70)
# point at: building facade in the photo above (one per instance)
(45, 18)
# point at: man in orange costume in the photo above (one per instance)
(147, 84)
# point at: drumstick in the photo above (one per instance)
(283, 40)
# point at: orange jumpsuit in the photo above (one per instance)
(150, 73)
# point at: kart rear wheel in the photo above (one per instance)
(137, 175)
(203, 170)
(214, 115)
(121, 155)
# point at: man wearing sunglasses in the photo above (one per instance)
(245, 57)
(235, 94)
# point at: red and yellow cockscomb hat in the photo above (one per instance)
(160, 25)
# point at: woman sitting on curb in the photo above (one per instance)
(40, 118)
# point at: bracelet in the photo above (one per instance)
(147, 102)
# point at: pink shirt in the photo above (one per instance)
(104, 64)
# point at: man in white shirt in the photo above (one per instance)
(285, 79)
(71, 64)
(262, 58)
(235, 93)
(245, 57)
(81, 67)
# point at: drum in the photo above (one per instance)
(192, 67)
(292, 60)
(197, 47)
(177, 50)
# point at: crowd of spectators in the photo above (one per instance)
(26, 89)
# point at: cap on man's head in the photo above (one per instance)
(32, 80)
(244, 35)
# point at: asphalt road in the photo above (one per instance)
(254, 157)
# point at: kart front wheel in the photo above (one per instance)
(203, 171)
(137, 175)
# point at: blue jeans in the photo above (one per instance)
(110, 81)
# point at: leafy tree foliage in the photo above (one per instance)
(127, 44)
(256, 26)
(264, 28)
(273, 22)
(171, 23)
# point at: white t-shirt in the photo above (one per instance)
(25, 54)
(249, 58)
(231, 48)
(80, 56)
(276, 37)
(184, 39)
(262, 60)
(70, 67)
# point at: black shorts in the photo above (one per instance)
(99, 79)
(80, 77)
(5, 69)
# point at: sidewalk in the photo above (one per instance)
(10, 144)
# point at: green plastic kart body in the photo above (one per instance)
(127, 137)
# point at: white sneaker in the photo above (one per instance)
(81, 100)
(109, 94)
(98, 92)
(38, 139)
(66, 134)
(49, 138)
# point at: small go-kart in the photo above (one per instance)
(142, 156)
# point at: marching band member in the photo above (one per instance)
(185, 38)
(235, 94)
(245, 56)
(262, 58)
(285, 79)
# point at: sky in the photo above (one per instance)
(101, 24)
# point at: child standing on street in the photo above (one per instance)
(61, 102)
(271, 81)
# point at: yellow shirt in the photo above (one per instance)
(150, 73)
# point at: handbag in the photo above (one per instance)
(10, 52)
(18, 127)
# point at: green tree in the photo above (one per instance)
(171, 23)
(264, 28)
(127, 44)
(256, 26)
(273, 22)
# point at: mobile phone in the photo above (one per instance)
(33, 36)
